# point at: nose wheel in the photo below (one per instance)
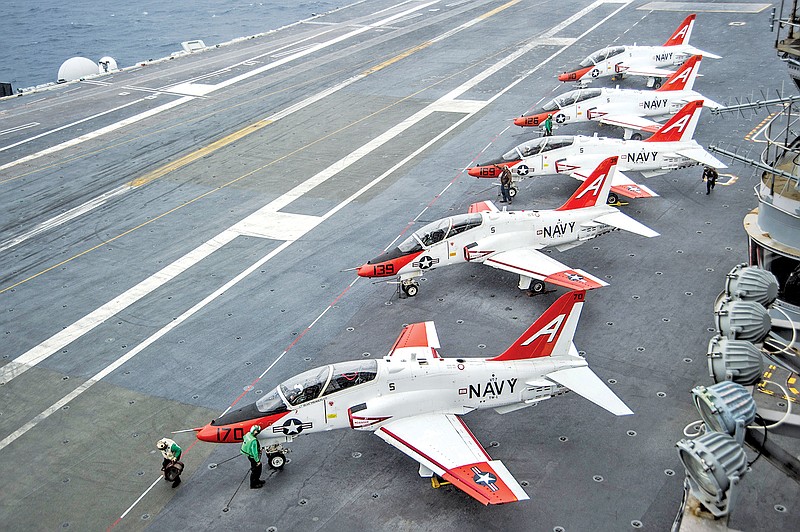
(276, 456)
(276, 460)
(613, 199)
(409, 287)
(537, 286)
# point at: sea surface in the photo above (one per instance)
(39, 35)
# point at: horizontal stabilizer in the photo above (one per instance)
(702, 156)
(696, 51)
(587, 384)
(623, 221)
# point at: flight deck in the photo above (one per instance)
(179, 237)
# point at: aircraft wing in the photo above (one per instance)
(531, 263)
(418, 338)
(701, 156)
(649, 71)
(631, 122)
(483, 206)
(625, 186)
(621, 184)
(443, 444)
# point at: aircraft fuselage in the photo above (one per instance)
(497, 232)
(415, 382)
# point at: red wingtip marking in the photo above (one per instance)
(481, 482)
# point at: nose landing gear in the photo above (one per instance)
(276, 456)
(410, 287)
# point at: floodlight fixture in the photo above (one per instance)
(734, 360)
(714, 463)
(725, 407)
(742, 320)
(749, 283)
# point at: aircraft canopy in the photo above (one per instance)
(326, 380)
(602, 55)
(537, 146)
(437, 231)
(570, 98)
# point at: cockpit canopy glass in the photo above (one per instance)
(602, 55)
(317, 382)
(537, 146)
(437, 231)
(271, 403)
(570, 98)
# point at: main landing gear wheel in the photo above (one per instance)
(657, 83)
(636, 136)
(411, 288)
(276, 460)
(512, 192)
(613, 199)
(537, 287)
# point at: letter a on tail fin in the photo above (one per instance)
(552, 333)
(681, 126)
(593, 191)
(684, 31)
(683, 78)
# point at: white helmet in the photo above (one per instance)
(162, 444)
(255, 429)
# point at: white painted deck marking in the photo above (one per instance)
(64, 217)
(18, 128)
(266, 223)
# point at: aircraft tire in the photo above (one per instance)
(537, 287)
(512, 192)
(612, 198)
(411, 289)
(657, 83)
(636, 136)
(276, 460)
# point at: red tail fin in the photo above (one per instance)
(593, 191)
(681, 126)
(683, 78)
(684, 31)
(552, 333)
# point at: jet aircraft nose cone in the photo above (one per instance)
(574, 75)
(207, 433)
(365, 270)
(484, 171)
(530, 120)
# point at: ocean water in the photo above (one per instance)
(39, 35)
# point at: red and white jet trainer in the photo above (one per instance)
(639, 60)
(512, 240)
(670, 148)
(626, 108)
(413, 399)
